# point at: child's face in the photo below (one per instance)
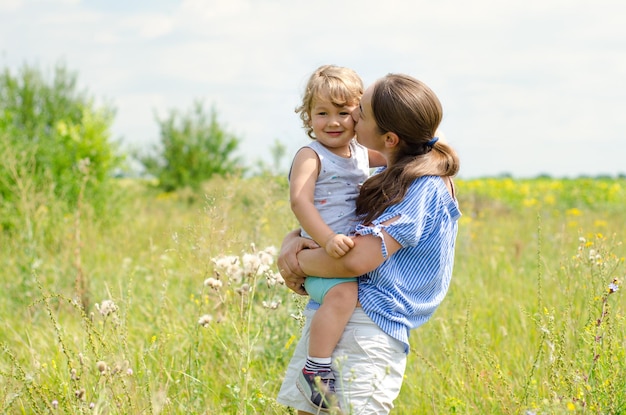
(333, 126)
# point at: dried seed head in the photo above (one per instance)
(102, 367)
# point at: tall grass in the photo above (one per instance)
(183, 311)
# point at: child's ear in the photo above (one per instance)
(391, 140)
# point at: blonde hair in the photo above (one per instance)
(339, 85)
(410, 109)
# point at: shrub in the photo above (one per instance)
(193, 148)
(53, 141)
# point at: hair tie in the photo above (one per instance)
(432, 142)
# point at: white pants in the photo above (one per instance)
(368, 365)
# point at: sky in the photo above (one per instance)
(529, 87)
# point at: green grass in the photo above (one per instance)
(530, 324)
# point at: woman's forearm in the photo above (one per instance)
(365, 256)
(318, 263)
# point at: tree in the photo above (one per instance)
(193, 147)
(52, 136)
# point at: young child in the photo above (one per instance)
(324, 182)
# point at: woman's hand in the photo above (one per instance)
(288, 265)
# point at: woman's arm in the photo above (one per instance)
(365, 256)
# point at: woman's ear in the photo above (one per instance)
(391, 140)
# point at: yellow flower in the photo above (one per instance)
(530, 202)
(290, 341)
(573, 212)
(549, 199)
(600, 223)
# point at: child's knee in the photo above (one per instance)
(344, 294)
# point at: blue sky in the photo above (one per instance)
(529, 87)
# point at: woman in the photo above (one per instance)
(403, 251)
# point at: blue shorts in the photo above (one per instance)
(317, 287)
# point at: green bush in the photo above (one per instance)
(193, 148)
(54, 141)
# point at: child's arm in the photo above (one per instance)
(376, 159)
(304, 172)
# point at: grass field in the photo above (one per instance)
(171, 303)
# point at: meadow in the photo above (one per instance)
(170, 303)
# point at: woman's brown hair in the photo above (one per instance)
(408, 108)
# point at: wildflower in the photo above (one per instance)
(92, 405)
(582, 240)
(225, 262)
(129, 372)
(279, 278)
(55, 404)
(107, 307)
(102, 366)
(126, 263)
(74, 374)
(273, 278)
(290, 341)
(613, 286)
(267, 256)
(244, 289)
(272, 306)
(213, 283)
(205, 320)
(80, 393)
(251, 264)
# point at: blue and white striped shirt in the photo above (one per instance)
(406, 289)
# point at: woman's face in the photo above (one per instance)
(367, 131)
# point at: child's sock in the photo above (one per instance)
(317, 364)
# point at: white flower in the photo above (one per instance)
(213, 283)
(274, 278)
(272, 306)
(279, 278)
(205, 320)
(271, 250)
(230, 266)
(225, 262)
(266, 257)
(107, 307)
(251, 264)
(244, 289)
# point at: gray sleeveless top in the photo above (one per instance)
(338, 185)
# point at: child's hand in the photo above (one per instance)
(338, 245)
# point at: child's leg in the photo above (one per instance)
(331, 318)
(317, 381)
